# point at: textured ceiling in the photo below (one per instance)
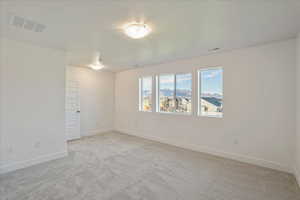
(181, 29)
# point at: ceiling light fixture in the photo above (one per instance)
(97, 64)
(136, 30)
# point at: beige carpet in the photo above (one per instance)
(121, 167)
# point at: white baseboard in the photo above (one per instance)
(242, 158)
(203, 149)
(97, 131)
(34, 161)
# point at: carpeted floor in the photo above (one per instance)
(121, 167)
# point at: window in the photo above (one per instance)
(166, 84)
(211, 92)
(183, 101)
(175, 93)
(146, 94)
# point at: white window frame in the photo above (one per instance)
(141, 94)
(157, 85)
(199, 91)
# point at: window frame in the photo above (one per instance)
(198, 112)
(157, 96)
(141, 96)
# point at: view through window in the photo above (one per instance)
(183, 102)
(146, 94)
(211, 92)
(166, 93)
(175, 93)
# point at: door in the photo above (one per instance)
(72, 110)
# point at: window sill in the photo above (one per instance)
(211, 116)
(183, 114)
(145, 111)
(175, 113)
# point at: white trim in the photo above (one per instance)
(30, 162)
(212, 116)
(140, 93)
(176, 113)
(199, 91)
(141, 96)
(204, 149)
(297, 175)
(157, 88)
(97, 131)
(174, 95)
(153, 94)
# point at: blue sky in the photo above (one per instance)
(184, 81)
(211, 81)
(166, 82)
(147, 83)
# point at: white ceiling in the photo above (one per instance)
(181, 28)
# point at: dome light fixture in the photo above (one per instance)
(136, 30)
(96, 66)
(97, 63)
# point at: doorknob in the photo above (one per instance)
(78, 111)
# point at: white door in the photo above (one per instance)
(72, 110)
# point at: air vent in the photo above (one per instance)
(21, 22)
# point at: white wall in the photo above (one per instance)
(96, 99)
(1, 96)
(297, 140)
(259, 107)
(32, 105)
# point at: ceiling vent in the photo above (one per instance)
(21, 22)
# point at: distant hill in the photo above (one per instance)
(184, 93)
(215, 95)
(179, 93)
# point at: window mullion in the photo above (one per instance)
(157, 94)
(199, 93)
(153, 85)
(175, 86)
(142, 94)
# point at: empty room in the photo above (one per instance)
(149, 100)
